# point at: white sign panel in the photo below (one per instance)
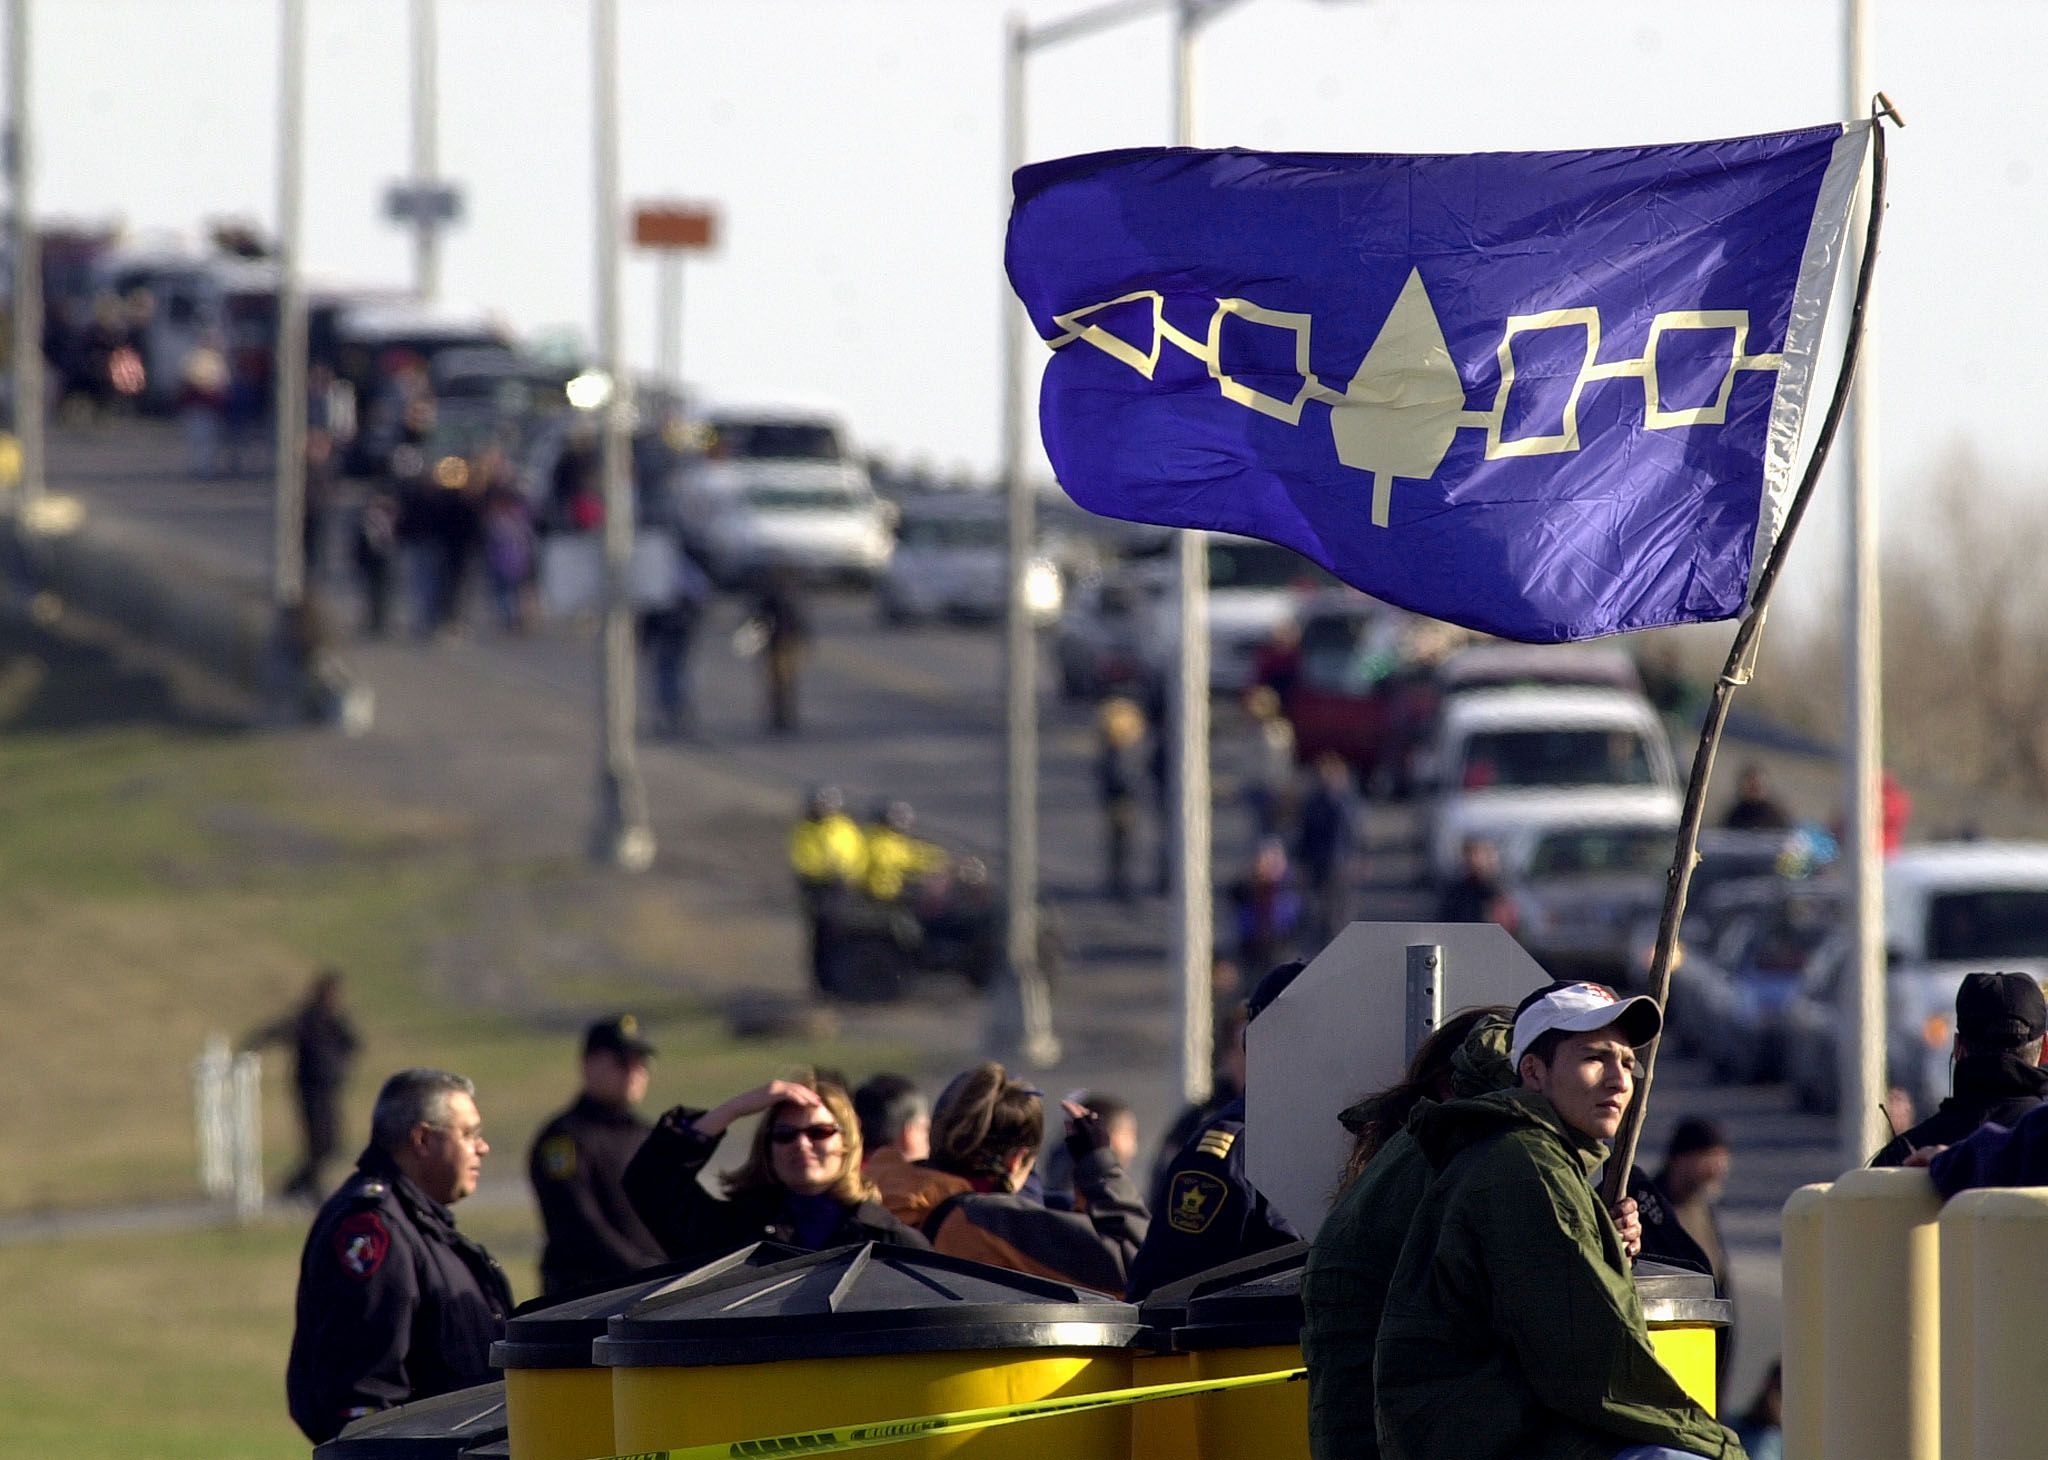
(1337, 1034)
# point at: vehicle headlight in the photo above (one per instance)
(1042, 590)
(588, 391)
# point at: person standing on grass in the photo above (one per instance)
(578, 1166)
(323, 1043)
(394, 1304)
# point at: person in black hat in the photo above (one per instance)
(578, 1166)
(1209, 1212)
(2000, 1021)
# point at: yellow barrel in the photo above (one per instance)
(557, 1400)
(446, 1427)
(1163, 1429)
(2009, 1260)
(859, 1335)
(1801, 1263)
(1686, 1320)
(1958, 1324)
(1172, 1429)
(1880, 1381)
(1250, 1326)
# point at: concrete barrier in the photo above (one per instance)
(1804, 1285)
(1881, 1317)
(2009, 1288)
(1958, 1324)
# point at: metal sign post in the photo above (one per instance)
(670, 230)
(1425, 995)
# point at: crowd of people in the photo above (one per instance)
(1292, 894)
(1470, 1293)
(396, 1303)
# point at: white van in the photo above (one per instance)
(1504, 762)
(782, 488)
(1255, 587)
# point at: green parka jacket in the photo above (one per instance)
(1344, 1286)
(1512, 1330)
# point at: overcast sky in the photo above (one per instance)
(852, 148)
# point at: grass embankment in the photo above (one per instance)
(164, 877)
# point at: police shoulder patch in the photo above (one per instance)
(558, 1157)
(1193, 1200)
(361, 1241)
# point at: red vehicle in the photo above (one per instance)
(1363, 682)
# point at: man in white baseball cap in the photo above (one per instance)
(1512, 1329)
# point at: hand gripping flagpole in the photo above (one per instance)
(1741, 663)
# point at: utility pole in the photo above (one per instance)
(622, 838)
(288, 372)
(1862, 1066)
(1194, 929)
(27, 346)
(426, 147)
(1039, 1044)
(668, 311)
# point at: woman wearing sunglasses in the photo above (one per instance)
(801, 1182)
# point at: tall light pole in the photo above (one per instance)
(622, 837)
(426, 146)
(1039, 1043)
(1194, 928)
(27, 347)
(288, 373)
(1862, 1065)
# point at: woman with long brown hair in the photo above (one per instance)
(801, 1182)
(986, 1132)
(1344, 1286)
(1378, 1118)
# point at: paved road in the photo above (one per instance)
(905, 712)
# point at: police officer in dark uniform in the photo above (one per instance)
(1209, 1212)
(394, 1304)
(578, 1166)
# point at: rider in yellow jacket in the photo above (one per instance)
(827, 846)
(895, 858)
(829, 856)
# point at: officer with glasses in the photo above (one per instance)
(395, 1304)
(801, 1182)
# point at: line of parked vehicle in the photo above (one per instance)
(1558, 759)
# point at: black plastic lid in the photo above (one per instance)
(441, 1428)
(1257, 1310)
(852, 1302)
(1167, 1309)
(1679, 1295)
(558, 1335)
